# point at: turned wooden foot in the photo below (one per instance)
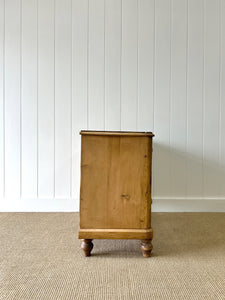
(87, 246)
(146, 247)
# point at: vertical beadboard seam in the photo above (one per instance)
(220, 90)
(37, 105)
(121, 38)
(21, 113)
(54, 9)
(187, 107)
(220, 81)
(203, 103)
(88, 13)
(137, 85)
(4, 101)
(154, 64)
(153, 85)
(71, 98)
(104, 102)
(170, 79)
(170, 95)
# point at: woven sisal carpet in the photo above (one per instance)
(40, 258)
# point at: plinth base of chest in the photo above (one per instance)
(139, 234)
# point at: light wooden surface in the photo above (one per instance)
(115, 182)
(137, 234)
(116, 133)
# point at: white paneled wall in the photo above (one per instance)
(145, 65)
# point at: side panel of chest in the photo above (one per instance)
(115, 182)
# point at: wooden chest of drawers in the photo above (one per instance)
(115, 192)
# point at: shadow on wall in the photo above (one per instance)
(181, 174)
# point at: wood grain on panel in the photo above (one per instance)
(116, 133)
(110, 197)
(137, 234)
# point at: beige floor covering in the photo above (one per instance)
(40, 258)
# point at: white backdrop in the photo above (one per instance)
(142, 65)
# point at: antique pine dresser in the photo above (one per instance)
(115, 191)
